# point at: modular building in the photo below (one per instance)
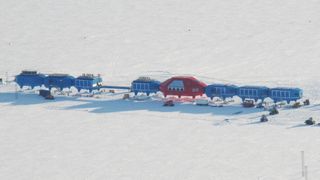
(145, 85)
(253, 92)
(285, 94)
(222, 91)
(88, 82)
(60, 81)
(183, 86)
(30, 79)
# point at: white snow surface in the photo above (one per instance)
(254, 42)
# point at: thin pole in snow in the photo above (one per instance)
(303, 163)
(306, 172)
(16, 91)
(7, 78)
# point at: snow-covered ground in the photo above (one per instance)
(273, 43)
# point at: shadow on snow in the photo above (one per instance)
(119, 105)
(111, 106)
(26, 99)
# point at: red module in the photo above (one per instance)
(183, 86)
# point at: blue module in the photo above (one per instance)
(145, 85)
(59, 81)
(285, 94)
(222, 91)
(253, 92)
(30, 78)
(88, 82)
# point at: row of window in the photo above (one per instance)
(175, 89)
(83, 83)
(248, 92)
(182, 89)
(251, 92)
(283, 94)
(141, 86)
(218, 90)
